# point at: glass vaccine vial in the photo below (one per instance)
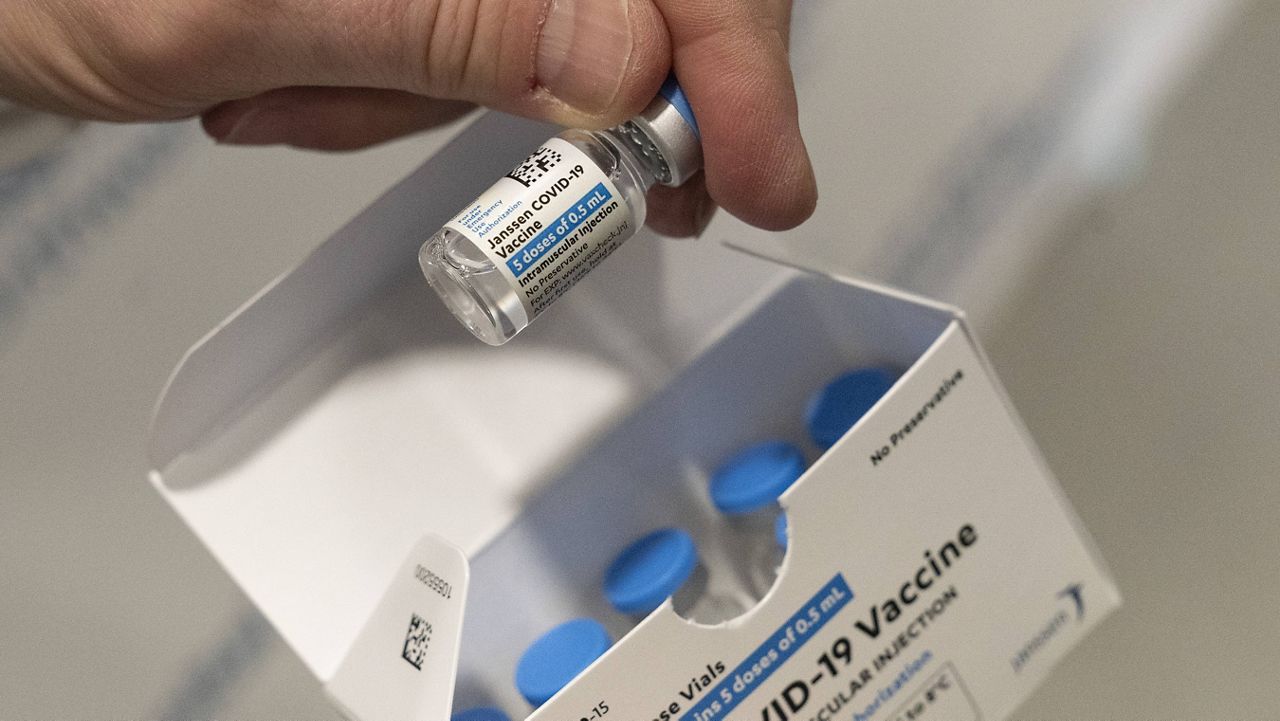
(556, 658)
(660, 565)
(542, 227)
(745, 488)
(842, 402)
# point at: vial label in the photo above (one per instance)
(547, 223)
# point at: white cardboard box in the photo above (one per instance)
(315, 437)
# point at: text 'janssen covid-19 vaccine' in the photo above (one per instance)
(542, 227)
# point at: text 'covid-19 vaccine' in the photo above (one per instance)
(542, 227)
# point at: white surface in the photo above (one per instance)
(947, 136)
(1144, 354)
(26, 134)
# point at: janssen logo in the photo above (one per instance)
(1071, 604)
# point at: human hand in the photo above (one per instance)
(343, 74)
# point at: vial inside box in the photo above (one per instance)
(652, 470)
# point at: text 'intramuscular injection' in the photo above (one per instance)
(542, 227)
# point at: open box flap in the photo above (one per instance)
(258, 342)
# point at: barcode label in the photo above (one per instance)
(416, 641)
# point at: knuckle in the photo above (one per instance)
(164, 65)
(478, 50)
(450, 37)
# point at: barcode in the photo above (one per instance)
(416, 641)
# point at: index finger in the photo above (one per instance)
(731, 58)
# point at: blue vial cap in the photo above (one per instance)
(780, 530)
(480, 713)
(648, 571)
(674, 94)
(558, 656)
(833, 410)
(756, 476)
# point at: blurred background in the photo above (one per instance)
(1095, 182)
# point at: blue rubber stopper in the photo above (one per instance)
(833, 410)
(648, 571)
(755, 477)
(780, 530)
(674, 94)
(558, 656)
(480, 713)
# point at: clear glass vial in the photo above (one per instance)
(528, 239)
(556, 658)
(745, 488)
(660, 565)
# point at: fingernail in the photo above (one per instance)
(583, 52)
(253, 127)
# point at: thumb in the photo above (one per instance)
(601, 60)
(575, 62)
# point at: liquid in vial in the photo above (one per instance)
(528, 239)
